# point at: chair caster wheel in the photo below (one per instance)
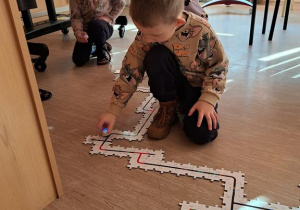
(65, 31)
(40, 66)
(121, 31)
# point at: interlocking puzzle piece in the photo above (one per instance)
(116, 134)
(154, 155)
(196, 206)
(195, 172)
(117, 71)
(119, 151)
(142, 122)
(227, 201)
(100, 148)
(255, 202)
(134, 161)
(143, 89)
(142, 108)
(91, 139)
(176, 168)
(188, 168)
(278, 206)
(229, 185)
(147, 105)
(164, 167)
(151, 166)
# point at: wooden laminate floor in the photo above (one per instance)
(259, 117)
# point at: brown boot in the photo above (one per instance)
(164, 119)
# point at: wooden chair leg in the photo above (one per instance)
(292, 5)
(283, 8)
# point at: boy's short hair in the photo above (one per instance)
(149, 13)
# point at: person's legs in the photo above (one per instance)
(168, 85)
(81, 53)
(199, 135)
(99, 32)
(161, 67)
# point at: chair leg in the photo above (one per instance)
(286, 16)
(277, 3)
(292, 5)
(283, 8)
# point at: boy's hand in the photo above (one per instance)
(106, 120)
(81, 36)
(205, 110)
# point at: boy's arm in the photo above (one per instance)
(213, 55)
(76, 19)
(131, 74)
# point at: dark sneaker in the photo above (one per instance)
(103, 57)
(163, 121)
(45, 95)
(107, 46)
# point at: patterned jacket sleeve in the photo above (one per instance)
(131, 74)
(212, 54)
(117, 8)
(76, 19)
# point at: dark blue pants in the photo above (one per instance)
(167, 83)
(99, 31)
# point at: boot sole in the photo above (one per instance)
(158, 137)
